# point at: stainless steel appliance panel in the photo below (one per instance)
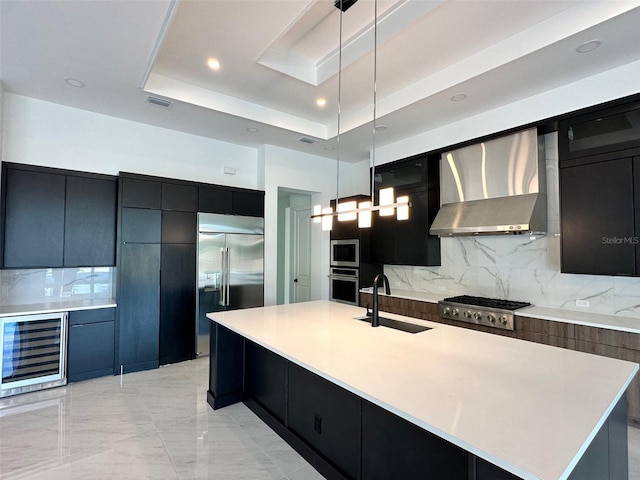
(344, 286)
(245, 258)
(345, 253)
(230, 268)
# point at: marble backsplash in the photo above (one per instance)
(518, 268)
(521, 267)
(56, 285)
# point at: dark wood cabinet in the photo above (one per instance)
(408, 242)
(231, 201)
(178, 197)
(90, 351)
(140, 193)
(138, 306)
(636, 208)
(177, 303)
(139, 225)
(395, 448)
(34, 219)
(249, 204)
(599, 151)
(90, 222)
(266, 379)
(327, 417)
(57, 218)
(383, 239)
(599, 209)
(158, 220)
(215, 200)
(179, 227)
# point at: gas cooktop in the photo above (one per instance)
(490, 312)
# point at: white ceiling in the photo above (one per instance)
(278, 56)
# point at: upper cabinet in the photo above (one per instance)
(57, 218)
(600, 191)
(408, 242)
(229, 201)
(598, 131)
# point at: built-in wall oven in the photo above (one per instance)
(345, 253)
(344, 286)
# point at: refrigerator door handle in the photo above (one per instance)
(223, 279)
(228, 268)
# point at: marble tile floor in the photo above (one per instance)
(156, 425)
(152, 425)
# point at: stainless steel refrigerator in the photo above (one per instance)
(230, 267)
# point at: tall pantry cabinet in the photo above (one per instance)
(156, 272)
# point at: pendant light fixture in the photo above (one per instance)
(349, 211)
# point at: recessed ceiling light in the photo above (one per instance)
(588, 46)
(214, 63)
(321, 102)
(253, 130)
(381, 128)
(74, 82)
(458, 97)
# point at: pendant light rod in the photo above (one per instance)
(339, 108)
(375, 98)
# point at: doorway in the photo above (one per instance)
(294, 247)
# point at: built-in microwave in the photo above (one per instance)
(345, 253)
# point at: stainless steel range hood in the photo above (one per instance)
(493, 188)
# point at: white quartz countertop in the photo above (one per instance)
(613, 322)
(53, 307)
(531, 409)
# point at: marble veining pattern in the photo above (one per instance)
(521, 267)
(156, 425)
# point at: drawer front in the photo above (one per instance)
(82, 317)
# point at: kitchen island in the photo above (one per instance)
(493, 407)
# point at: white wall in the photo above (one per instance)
(47, 134)
(616, 83)
(307, 174)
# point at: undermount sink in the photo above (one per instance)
(396, 324)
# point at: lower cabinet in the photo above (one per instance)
(326, 417)
(177, 303)
(90, 351)
(139, 306)
(265, 379)
(395, 448)
(341, 434)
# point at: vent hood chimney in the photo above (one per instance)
(493, 188)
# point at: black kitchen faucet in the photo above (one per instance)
(375, 319)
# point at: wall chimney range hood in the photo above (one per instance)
(493, 188)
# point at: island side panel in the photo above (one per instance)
(607, 455)
(226, 367)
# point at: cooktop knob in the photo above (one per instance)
(503, 319)
(492, 318)
(467, 314)
(455, 312)
(446, 310)
(477, 315)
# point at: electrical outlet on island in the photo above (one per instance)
(582, 303)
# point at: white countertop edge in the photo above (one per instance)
(597, 428)
(43, 308)
(514, 469)
(587, 319)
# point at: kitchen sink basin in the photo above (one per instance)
(396, 324)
